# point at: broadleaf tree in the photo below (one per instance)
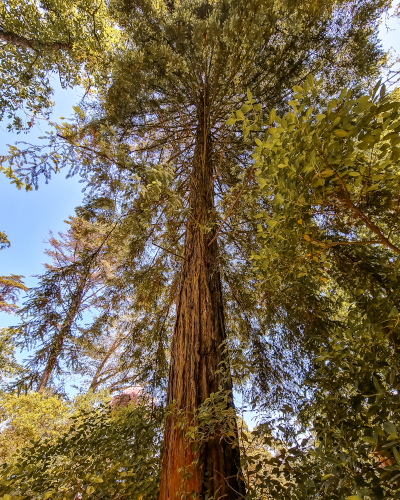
(329, 178)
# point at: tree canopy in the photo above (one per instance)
(231, 268)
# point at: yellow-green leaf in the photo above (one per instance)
(327, 173)
(262, 182)
(239, 115)
(396, 455)
(368, 439)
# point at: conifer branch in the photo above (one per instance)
(233, 205)
(169, 251)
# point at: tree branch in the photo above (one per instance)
(233, 205)
(336, 243)
(20, 41)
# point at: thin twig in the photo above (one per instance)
(169, 251)
(371, 226)
(233, 206)
(336, 243)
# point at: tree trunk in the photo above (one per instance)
(196, 352)
(51, 362)
(63, 333)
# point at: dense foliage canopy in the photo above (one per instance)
(251, 237)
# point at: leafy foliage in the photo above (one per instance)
(9, 366)
(329, 181)
(39, 39)
(10, 286)
(28, 417)
(330, 176)
(104, 455)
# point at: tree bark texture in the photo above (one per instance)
(195, 351)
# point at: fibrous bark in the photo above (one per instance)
(196, 347)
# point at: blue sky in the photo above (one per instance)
(27, 217)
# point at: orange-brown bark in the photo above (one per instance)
(196, 348)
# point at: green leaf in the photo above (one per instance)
(309, 111)
(249, 95)
(320, 117)
(390, 428)
(376, 384)
(272, 223)
(239, 115)
(396, 455)
(327, 173)
(262, 182)
(393, 312)
(231, 121)
(89, 490)
(369, 439)
(272, 116)
(341, 133)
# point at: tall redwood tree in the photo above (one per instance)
(167, 76)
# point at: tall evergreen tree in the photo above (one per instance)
(74, 282)
(167, 75)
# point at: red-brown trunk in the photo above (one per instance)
(196, 348)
